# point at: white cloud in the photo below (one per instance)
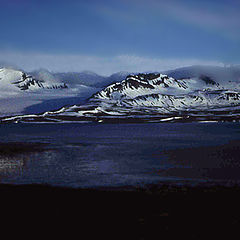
(100, 65)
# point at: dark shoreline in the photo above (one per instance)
(152, 212)
(116, 119)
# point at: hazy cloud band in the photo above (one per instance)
(100, 65)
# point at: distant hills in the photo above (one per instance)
(86, 78)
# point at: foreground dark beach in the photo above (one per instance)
(152, 212)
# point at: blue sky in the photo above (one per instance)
(116, 35)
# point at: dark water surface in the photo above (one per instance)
(92, 155)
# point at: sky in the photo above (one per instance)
(107, 36)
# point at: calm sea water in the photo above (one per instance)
(92, 155)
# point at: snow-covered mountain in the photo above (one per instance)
(19, 80)
(142, 84)
(154, 97)
(167, 94)
(38, 92)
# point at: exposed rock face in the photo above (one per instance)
(141, 84)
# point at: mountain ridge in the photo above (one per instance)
(148, 97)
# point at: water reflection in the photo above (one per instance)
(10, 165)
(15, 155)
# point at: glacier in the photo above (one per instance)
(20, 90)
